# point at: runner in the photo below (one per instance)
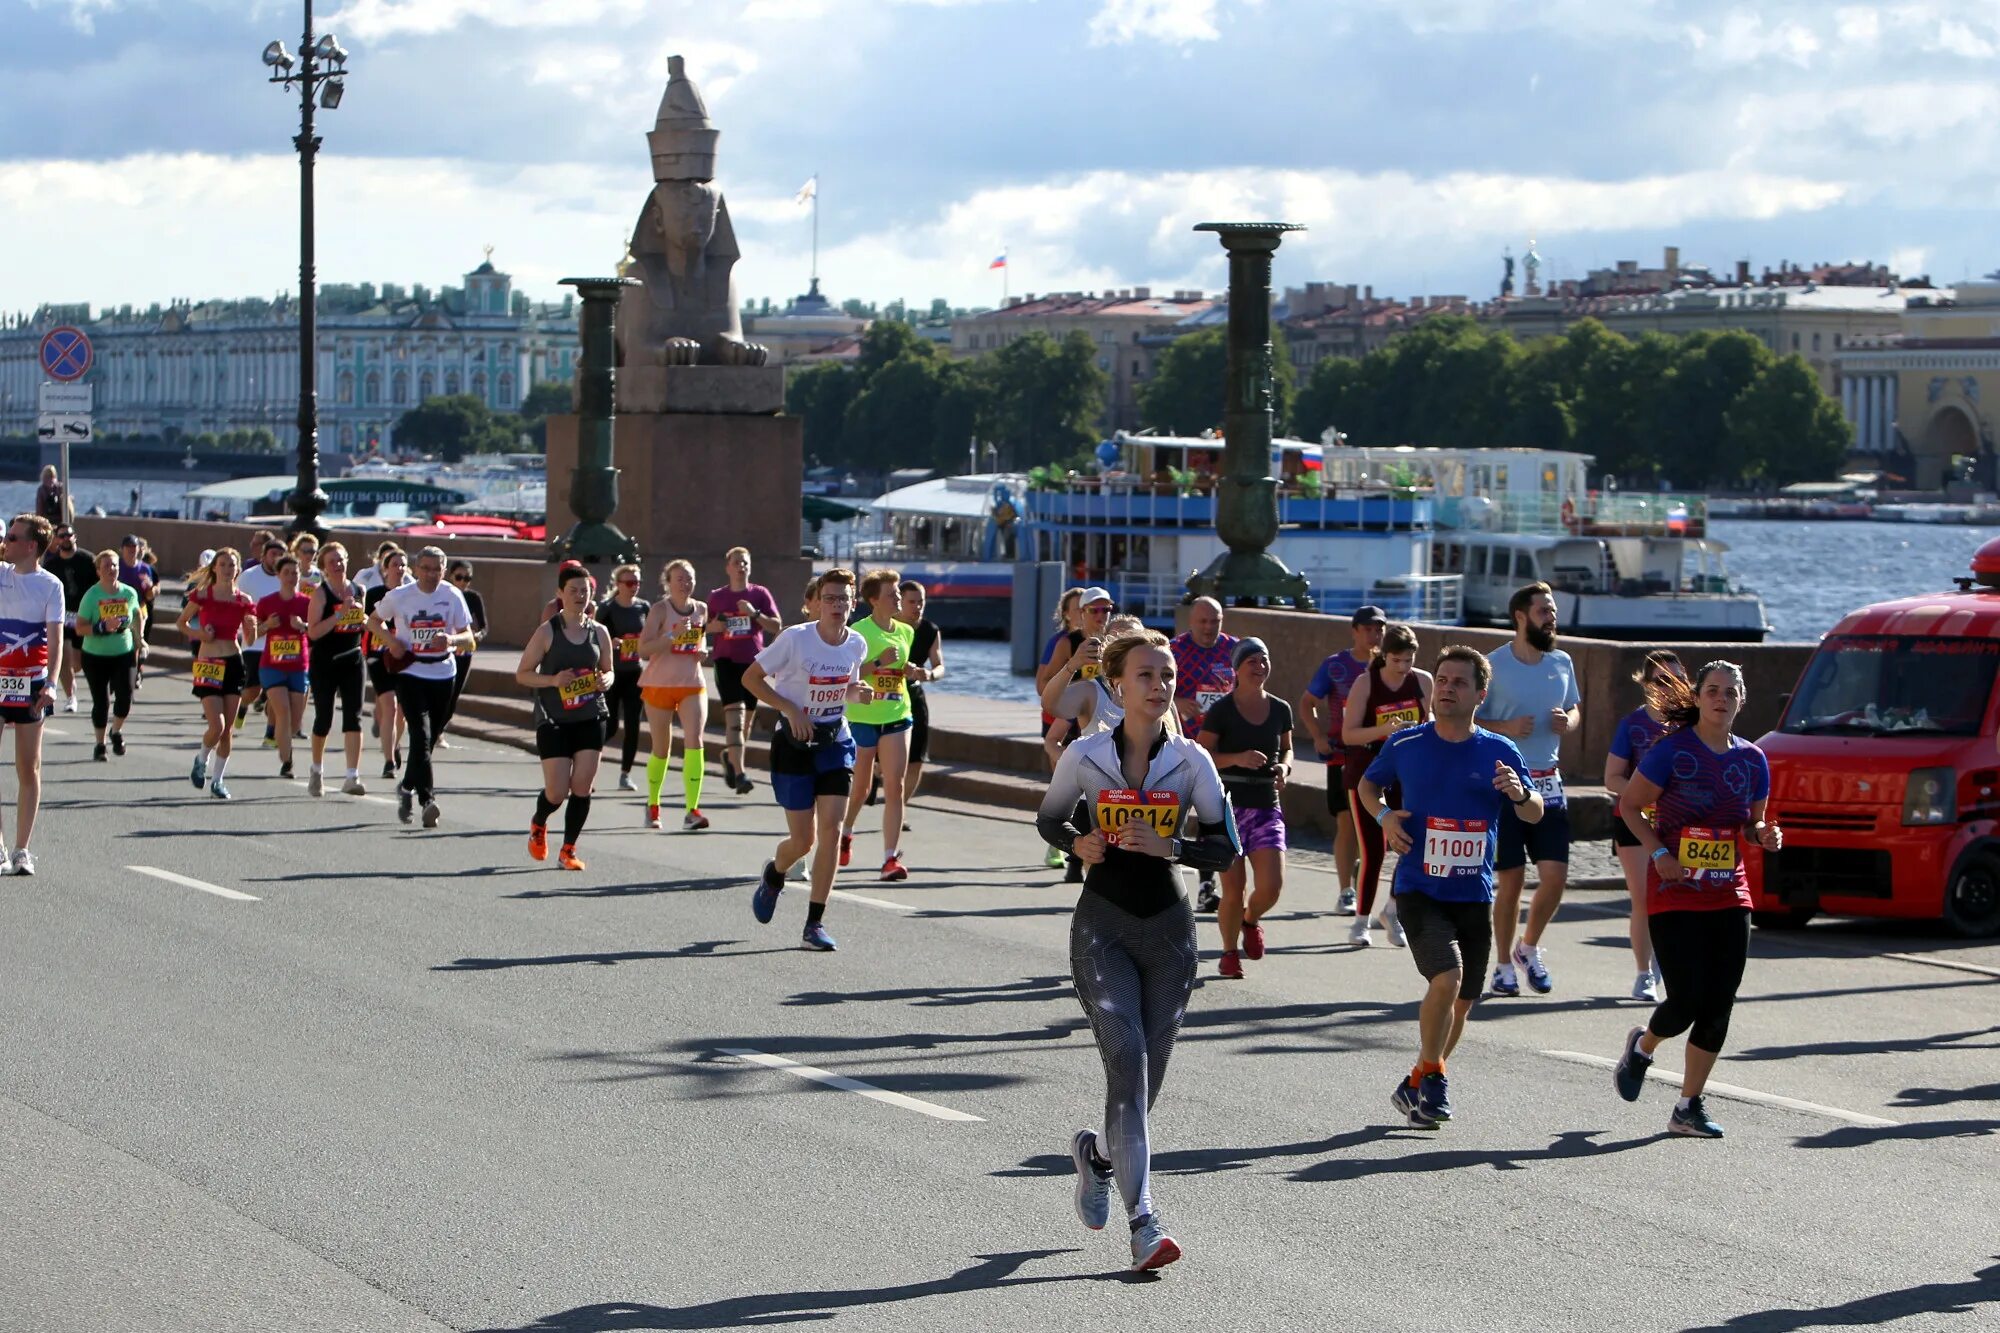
(219, 617)
(881, 726)
(391, 570)
(460, 575)
(810, 673)
(1250, 734)
(672, 687)
(1067, 618)
(743, 616)
(422, 624)
(77, 572)
(567, 663)
(926, 665)
(1132, 947)
(624, 613)
(336, 624)
(305, 549)
(1202, 660)
(31, 653)
(371, 576)
(1078, 701)
(259, 580)
(1696, 889)
(1391, 696)
(284, 668)
(1328, 691)
(1534, 703)
(1642, 727)
(105, 618)
(1456, 780)
(135, 571)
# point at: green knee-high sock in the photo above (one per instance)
(694, 763)
(656, 777)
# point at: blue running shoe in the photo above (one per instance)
(1693, 1122)
(1093, 1182)
(1405, 1102)
(1629, 1074)
(1434, 1097)
(218, 791)
(817, 938)
(1504, 982)
(198, 775)
(1528, 957)
(764, 902)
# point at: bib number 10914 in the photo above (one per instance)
(1119, 806)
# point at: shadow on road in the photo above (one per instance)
(1989, 1092)
(1940, 1042)
(1861, 1136)
(1939, 1298)
(697, 949)
(1011, 992)
(1570, 1144)
(640, 889)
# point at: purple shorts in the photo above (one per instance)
(1260, 830)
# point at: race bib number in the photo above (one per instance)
(738, 627)
(887, 682)
(1549, 782)
(427, 639)
(1091, 670)
(1206, 699)
(18, 690)
(1651, 814)
(687, 638)
(111, 615)
(1454, 847)
(1708, 854)
(1119, 806)
(628, 648)
(351, 618)
(284, 650)
(581, 692)
(1388, 714)
(826, 697)
(208, 671)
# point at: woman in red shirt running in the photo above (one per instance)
(218, 619)
(282, 619)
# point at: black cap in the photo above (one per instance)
(1370, 615)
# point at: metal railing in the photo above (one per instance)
(1163, 506)
(1603, 514)
(1434, 599)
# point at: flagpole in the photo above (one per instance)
(815, 201)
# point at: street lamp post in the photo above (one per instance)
(319, 71)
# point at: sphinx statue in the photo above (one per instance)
(683, 249)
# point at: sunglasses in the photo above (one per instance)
(628, 583)
(461, 578)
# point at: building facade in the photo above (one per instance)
(1925, 400)
(220, 366)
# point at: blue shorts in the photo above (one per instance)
(282, 678)
(802, 773)
(1521, 843)
(868, 735)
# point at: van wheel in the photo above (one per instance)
(1789, 918)
(1972, 900)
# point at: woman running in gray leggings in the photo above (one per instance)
(1132, 951)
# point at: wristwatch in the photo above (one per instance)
(1174, 848)
(1527, 794)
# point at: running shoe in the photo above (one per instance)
(388, 770)
(1406, 1102)
(1528, 957)
(69, 704)
(406, 804)
(1230, 967)
(1691, 1121)
(6, 862)
(729, 774)
(118, 743)
(625, 782)
(1253, 940)
(444, 744)
(396, 760)
(1629, 1074)
(566, 858)
(270, 742)
(1397, 935)
(1093, 1182)
(1206, 899)
(817, 938)
(24, 864)
(764, 902)
(316, 783)
(1504, 981)
(538, 842)
(432, 814)
(1054, 859)
(652, 816)
(694, 822)
(1152, 1247)
(1644, 988)
(285, 771)
(893, 871)
(1434, 1097)
(198, 775)
(100, 755)
(846, 849)
(1359, 935)
(242, 716)
(218, 791)
(353, 787)
(743, 784)
(1346, 907)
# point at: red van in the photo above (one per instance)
(1885, 770)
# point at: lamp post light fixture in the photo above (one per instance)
(319, 72)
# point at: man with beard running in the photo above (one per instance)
(1202, 659)
(424, 623)
(1534, 703)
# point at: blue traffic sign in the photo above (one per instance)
(66, 353)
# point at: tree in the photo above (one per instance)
(544, 399)
(820, 394)
(1191, 380)
(892, 423)
(1042, 397)
(453, 427)
(888, 340)
(1783, 428)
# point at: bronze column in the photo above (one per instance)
(593, 482)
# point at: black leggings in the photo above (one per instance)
(336, 676)
(461, 667)
(1368, 834)
(1701, 957)
(627, 711)
(426, 706)
(110, 681)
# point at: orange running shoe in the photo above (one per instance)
(538, 842)
(846, 849)
(892, 870)
(566, 858)
(652, 816)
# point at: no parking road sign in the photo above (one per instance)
(66, 353)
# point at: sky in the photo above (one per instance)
(144, 158)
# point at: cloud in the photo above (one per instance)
(1173, 21)
(82, 13)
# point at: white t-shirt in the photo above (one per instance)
(812, 673)
(370, 576)
(29, 604)
(255, 584)
(423, 621)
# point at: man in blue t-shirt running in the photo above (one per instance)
(1457, 780)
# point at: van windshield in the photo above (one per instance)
(1890, 685)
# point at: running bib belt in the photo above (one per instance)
(581, 692)
(1119, 806)
(737, 627)
(628, 647)
(687, 638)
(427, 636)
(826, 697)
(351, 618)
(111, 613)
(283, 649)
(208, 671)
(17, 691)
(1549, 782)
(1708, 854)
(1454, 847)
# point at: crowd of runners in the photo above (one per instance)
(1165, 753)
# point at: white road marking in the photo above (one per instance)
(182, 880)
(847, 1084)
(333, 790)
(1672, 1077)
(872, 902)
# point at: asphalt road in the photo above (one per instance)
(416, 1082)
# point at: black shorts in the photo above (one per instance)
(1622, 836)
(232, 680)
(253, 662)
(71, 637)
(27, 715)
(1521, 843)
(1336, 787)
(1446, 935)
(567, 740)
(380, 677)
(729, 683)
(920, 725)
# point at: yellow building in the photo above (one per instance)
(1924, 401)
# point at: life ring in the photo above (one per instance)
(1569, 515)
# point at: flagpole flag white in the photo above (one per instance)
(807, 192)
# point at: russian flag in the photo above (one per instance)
(1001, 262)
